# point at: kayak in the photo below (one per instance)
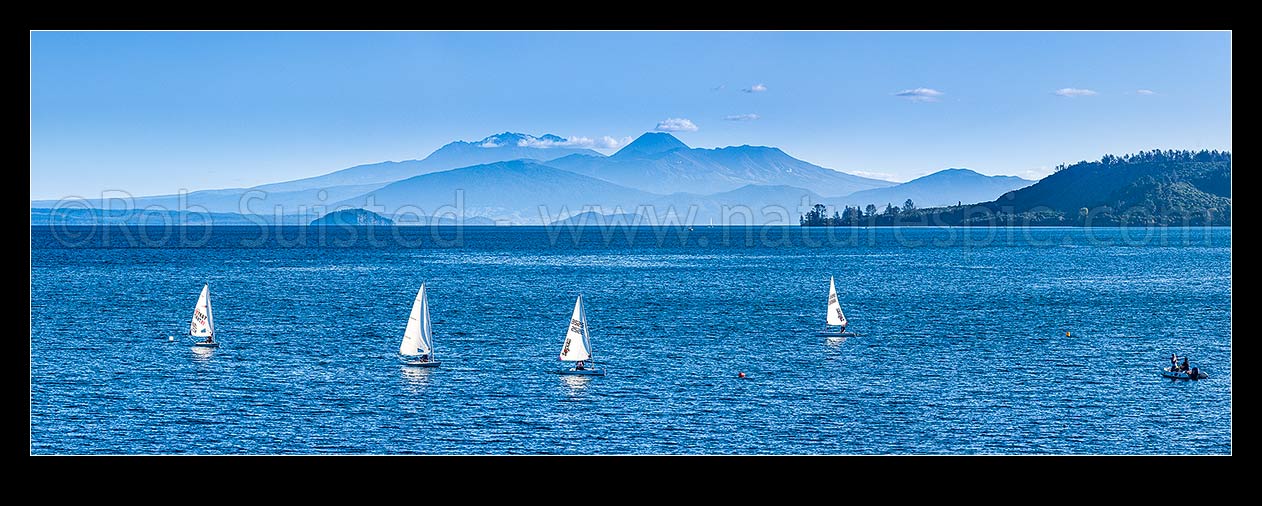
(1167, 373)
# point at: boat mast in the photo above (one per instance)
(210, 319)
(828, 304)
(429, 327)
(591, 354)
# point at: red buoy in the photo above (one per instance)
(741, 375)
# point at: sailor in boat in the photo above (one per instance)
(579, 366)
(209, 339)
(1184, 366)
(425, 358)
(1174, 362)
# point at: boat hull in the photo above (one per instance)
(417, 363)
(834, 333)
(1167, 373)
(582, 372)
(206, 345)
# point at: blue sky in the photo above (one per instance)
(156, 112)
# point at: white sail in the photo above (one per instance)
(577, 343)
(427, 330)
(835, 316)
(203, 323)
(418, 337)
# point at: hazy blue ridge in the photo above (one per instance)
(352, 217)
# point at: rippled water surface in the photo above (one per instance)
(962, 346)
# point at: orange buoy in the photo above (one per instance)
(1066, 333)
(741, 375)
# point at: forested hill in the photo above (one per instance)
(352, 217)
(1149, 188)
(1157, 184)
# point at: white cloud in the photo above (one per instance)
(1145, 92)
(757, 88)
(676, 125)
(742, 117)
(1035, 174)
(920, 94)
(602, 142)
(534, 142)
(1074, 92)
(876, 175)
(607, 142)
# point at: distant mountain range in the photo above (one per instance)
(523, 179)
(649, 144)
(942, 188)
(594, 218)
(660, 163)
(80, 216)
(321, 191)
(520, 191)
(496, 148)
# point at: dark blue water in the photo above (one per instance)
(962, 347)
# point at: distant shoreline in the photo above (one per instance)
(695, 227)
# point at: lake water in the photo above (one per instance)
(962, 346)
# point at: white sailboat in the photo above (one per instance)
(418, 337)
(835, 316)
(578, 345)
(203, 324)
